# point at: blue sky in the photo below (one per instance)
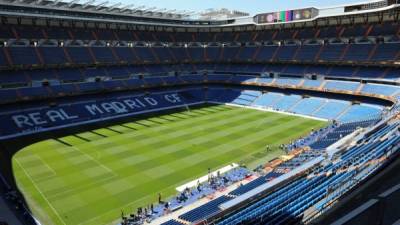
(251, 6)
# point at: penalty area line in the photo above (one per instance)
(40, 192)
(96, 161)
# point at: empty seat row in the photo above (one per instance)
(90, 55)
(357, 30)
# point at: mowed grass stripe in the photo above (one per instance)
(205, 122)
(67, 151)
(174, 145)
(168, 129)
(170, 150)
(165, 142)
(181, 147)
(172, 178)
(90, 136)
(220, 152)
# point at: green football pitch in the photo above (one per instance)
(88, 178)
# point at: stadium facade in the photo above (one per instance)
(70, 66)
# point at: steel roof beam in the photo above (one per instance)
(112, 7)
(55, 2)
(88, 4)
(73, 2)
(127, 7)
(99, 6)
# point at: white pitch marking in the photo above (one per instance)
(95, 160)
(40, 192)
(47, 165)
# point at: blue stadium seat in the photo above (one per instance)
(392, 74)
(180, 54)
(287, 81)
(134, 82)
(3, 59)
(369, 72)
(284, 34)
(103, 55)
(53, 55)
(246, 97)
(274, 68)
(57, 33)
(312, 83)
(359, 112)
(386, 52)
(117, 72)
(82, 34)
(332, 109)
(263, 36)
(247, 53)
(125, 35)
(332, 52)
(342, 85)
(23, 55)
(33, 92)
(8, 95)
(230, 53)
(249, 186)
(144, 54)
(286, 102)
(300, 194)
(163, 54)
(125, 54)
(6, 33)
(153, 80)
(308, 52)
(356, 30)
(205, 210)
(67, 75)
(328, 32)
(294, 70)
(13, 77)
(219, 77)
(172, 80)
(212, 53)
(316, 69)
(306, 33)
(308, 106)
(267, 100)
(114, 84)
(29, 32)
(40, 75)
(266, 53)
(196, 54)
(358, 52)
(105, 35)
(94, 72)
(341, 71)
(286, 53)
(89, 87)
(384, 29)
(64, 89)
(192, 78)
(80, 55)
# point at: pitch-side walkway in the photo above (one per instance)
(174, 215)
(6, 215)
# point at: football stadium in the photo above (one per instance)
(130, 115)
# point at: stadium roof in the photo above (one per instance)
(104, 6)
(117, 13)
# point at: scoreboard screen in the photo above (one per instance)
(286, 16)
